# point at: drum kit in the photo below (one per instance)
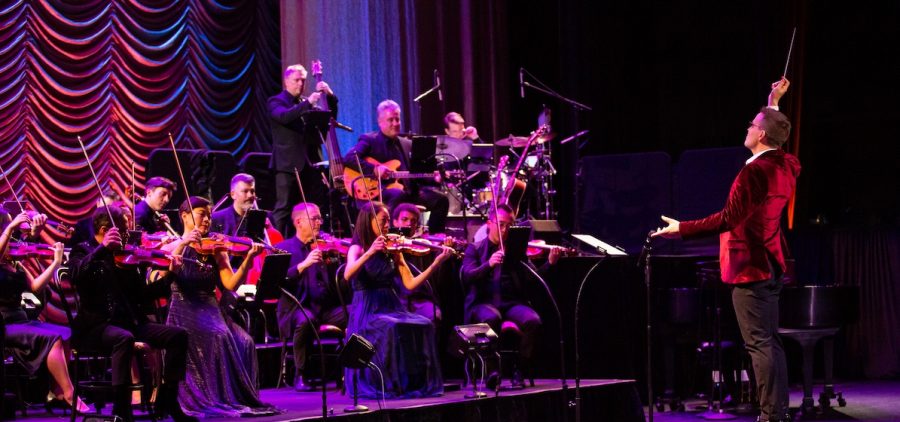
(473, 195)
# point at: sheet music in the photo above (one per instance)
(600, 245)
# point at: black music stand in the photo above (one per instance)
(421, 154)
(318, 119)
(516, 244)
(481, 157)
(270, 286)
(256, 224)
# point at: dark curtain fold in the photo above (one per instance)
(870, 259)
(122, 76)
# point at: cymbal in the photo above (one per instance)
(512, 141)
(521, 141)
(459, 148)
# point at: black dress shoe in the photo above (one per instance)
(301, 387)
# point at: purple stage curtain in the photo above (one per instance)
(122, 75)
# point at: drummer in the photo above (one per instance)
(455, 127)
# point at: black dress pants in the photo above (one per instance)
(120, 341)
(756, 307)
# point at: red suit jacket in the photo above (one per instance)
(749, 226)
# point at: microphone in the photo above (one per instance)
(340, 125)
(521, 83)
(437, 83)
(577, 135)
(645, 250)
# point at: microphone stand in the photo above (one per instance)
(562, 345)
(315, 331)
(550, 92)
(644, 259)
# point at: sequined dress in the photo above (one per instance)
(221, 359)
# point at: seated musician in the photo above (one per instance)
(84, 229)
(110, 316)
(420, 300)
(33, 343)
(496, 289)
(309, 280)
(455, 127)
(385, 145)
(232, 221)
(405, 345)
(148, 213)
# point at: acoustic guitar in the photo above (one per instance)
(363, 188)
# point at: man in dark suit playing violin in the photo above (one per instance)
(148, 213)
(496, 289)
(309, 281)
(110, 316)
(386, 145)
(294, 145)
(752, 248)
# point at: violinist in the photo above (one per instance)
(110, 317)
(33, 343)
(421, 300)
(84, 228)
(496, 289)
(28, 230)
(309, 280)
(221, 360)
(148, 213)
(374, 270)
(296, 146)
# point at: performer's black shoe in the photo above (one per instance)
(300, 386)
(167, 404)
(122, 403)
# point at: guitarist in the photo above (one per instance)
(296, 146)
(386, 145)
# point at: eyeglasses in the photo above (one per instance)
(317, 219)
(756, 126)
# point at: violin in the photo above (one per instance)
(131, 256)
(17, 251)
(458, 245)
(414, 247)
(328, 243)
(232, 245)
(538, 248)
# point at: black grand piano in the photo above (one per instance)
(810, 314)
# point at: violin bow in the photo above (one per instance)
(14, 194)
(132, 195)
(87, 159)
(305, 204)
(181, 174)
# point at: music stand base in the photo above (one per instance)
(358, 408)
(476, 395)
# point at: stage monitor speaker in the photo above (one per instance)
(473, 338)
(546, 230)
(357, 353)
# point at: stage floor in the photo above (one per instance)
(602, 400)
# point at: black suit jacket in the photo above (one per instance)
(292, 143)
(108, 294)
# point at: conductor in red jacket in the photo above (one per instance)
(751, 250)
